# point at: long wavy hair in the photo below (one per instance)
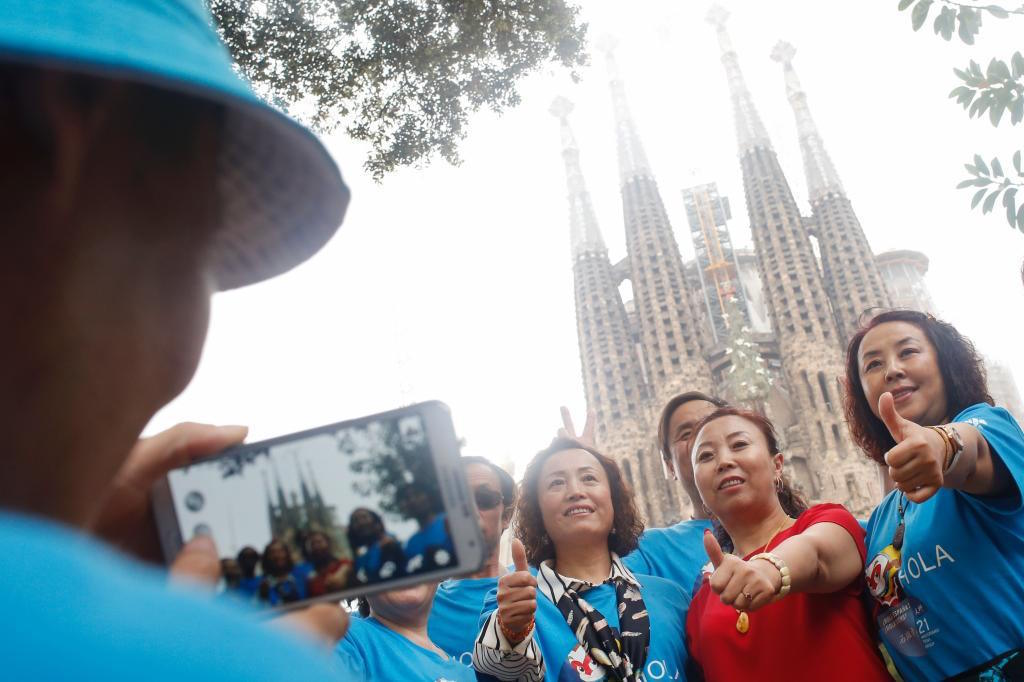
(792, 502)
(529, 527)
(963, 377)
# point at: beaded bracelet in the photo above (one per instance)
(516, 636)
(778, 563)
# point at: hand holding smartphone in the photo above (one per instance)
(330, 513)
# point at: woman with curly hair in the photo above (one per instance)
(798, 568)
(571, 610)
(947, 545)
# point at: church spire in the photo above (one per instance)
(822, 178)
(584, 233)
(631, 154)
(750, 131)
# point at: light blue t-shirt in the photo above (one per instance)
(962, 568)
(675, 553)
(455, 617)
(74, 609)
(563, 657)
(379, 654)
(434, 536)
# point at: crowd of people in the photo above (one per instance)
(141, 175)
(285, 573)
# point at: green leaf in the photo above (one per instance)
(1016, 162)
(997, 168)
(975, 68)
(971, 169)
(990, 202)
(1020, 218)
(981, 104)
(1017, 60)
(996, 112)
(945, 23)
(1011, 211)
(970, 24)
(966, 183)
(979, 163)
(905, 4)
(1017, 111)
(920, 13)
(962, 75)
(997, 11)
(1008, 196)
(997, 71)
(977, 197)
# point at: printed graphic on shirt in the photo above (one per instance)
(581, 667)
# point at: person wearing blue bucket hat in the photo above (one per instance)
(140, 175)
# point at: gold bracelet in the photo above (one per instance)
(947, 443)
(776, 561)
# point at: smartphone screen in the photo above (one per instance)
(338, 509)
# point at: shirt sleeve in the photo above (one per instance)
(837, 514)
(636, 561)
(495, 656)
(350, 658)
(1006, 443)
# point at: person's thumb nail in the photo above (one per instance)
(197, 562)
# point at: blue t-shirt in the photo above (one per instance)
(376, 653)
(962, 568)
(429, 547)
(455, 617)
(675, 553)
(565, 659)
(75, 609)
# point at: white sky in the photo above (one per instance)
(455, 283)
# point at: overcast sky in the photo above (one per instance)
(455, 283)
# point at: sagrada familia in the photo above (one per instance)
(789, 309)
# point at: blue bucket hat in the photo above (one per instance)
(281, 194)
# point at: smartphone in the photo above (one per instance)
(331, 513)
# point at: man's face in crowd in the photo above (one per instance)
(486, 487)
(318, 545)
(680, 433)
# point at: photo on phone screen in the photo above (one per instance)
(334, 509)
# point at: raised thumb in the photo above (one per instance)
(519, 555)
(713, 549)
(890, 417)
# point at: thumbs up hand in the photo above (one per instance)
(916, 462)
(517, 596)
(744, 585)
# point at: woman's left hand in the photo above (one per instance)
(744, 585)
(916, 462)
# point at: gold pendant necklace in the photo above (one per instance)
(743, 620)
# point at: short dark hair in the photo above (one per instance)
(674, 403)
(792, 502)
(627, 525)
(963, 377)
(505, 481)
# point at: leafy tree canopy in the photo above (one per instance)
(403, 75)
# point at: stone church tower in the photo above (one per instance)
(612, 360)
(851, 275)
(822, 458)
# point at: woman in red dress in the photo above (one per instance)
(781, 595)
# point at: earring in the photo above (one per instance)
(778, 484)
(544, 540)
(613, 531)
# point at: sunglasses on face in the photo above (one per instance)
(487, 499)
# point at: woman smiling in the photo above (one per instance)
(576, 516)
(781, 596)
(947, 572)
